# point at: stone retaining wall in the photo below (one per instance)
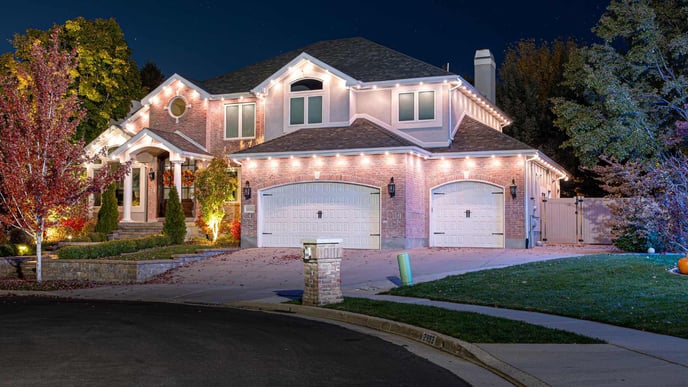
(98, 270)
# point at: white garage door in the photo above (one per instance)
(290, 213)
(467, 214)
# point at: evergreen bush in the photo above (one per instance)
(108, 215)
(175, 221)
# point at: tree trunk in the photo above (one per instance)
(39, 266)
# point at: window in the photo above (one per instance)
(240, 120)
(177, 107)
(306, 102)
(417, 106)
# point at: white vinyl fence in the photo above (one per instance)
(575, 220)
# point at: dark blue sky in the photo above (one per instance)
(201, 39)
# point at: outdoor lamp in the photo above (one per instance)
(512, 189)
(247, 190)
(391, 187)
(151, 175)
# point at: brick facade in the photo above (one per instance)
(404, 219)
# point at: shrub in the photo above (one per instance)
(235, 230)
(175, 223)
(108, 215)
(97, 237)
(111, 248)
(226, 240)
(8, 250)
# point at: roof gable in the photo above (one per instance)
(174, 141)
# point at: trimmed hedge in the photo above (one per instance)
(112, 248)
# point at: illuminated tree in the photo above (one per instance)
(106, 78)
(41, 168)
(214, 186)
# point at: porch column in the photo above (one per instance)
(126, 216)
(178, 176)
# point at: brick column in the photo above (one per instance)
(321, 271)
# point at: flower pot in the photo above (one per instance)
(683, 265)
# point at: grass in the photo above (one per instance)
(633, 291)
(467, 326)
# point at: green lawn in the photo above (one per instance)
(467, 326)
(628, 290)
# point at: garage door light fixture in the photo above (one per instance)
(247, 190)
(391, 187)
(512, 189)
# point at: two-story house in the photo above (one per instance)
(343, 138)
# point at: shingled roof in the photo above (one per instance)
(357, 57)
(179, 141)
(474, 136)
(361, 134)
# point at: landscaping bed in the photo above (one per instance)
(126, 268)
(634, 291)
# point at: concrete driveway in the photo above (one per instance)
(269, 273)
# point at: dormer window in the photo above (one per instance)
(417, 106)
(306, 102)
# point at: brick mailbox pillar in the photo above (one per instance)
(322, 259)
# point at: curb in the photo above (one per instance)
(448, 344)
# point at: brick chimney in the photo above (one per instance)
(485, 79)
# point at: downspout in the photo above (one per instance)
(526, 199)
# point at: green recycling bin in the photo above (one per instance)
(405, 269)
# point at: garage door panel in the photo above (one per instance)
(348, 211)
(467, 214)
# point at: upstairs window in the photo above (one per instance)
(306, 102)
(240, 121)
(417, 106)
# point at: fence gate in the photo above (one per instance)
(575, 220)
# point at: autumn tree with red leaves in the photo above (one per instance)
(41, 167)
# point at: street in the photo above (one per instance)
(68, 342)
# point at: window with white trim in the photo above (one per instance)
(240, 121)
(416, 105)
(306, 102)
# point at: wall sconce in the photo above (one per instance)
(512, 189)
(247, 190)
(391, 187)
(151, 175)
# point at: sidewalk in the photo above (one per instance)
(260, 276)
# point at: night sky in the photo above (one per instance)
(200, 39)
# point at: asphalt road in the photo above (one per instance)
(60, 342)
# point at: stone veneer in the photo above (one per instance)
(98, 270)
(322, 272)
